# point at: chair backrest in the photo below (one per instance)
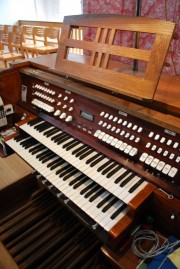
(52, 36)
(17, 29)
(102, 44)
(39, 34)
(15, 42)
(27, 32)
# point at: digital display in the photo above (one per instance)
(86, 115)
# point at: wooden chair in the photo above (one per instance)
(27, 37)
(51, 41)
(38, 38)
(15, 51)
(98, 67)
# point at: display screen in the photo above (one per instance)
(86, 115)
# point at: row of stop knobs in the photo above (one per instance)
(63, 115)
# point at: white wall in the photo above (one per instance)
(14, 10)
(42, 10)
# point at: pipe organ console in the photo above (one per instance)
(108, 155)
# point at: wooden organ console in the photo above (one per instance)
(103, 140)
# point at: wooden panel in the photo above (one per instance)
(96, 70)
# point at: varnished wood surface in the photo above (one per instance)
(12, 169)
(6, 261)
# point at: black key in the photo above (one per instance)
(86, 154)
(111, 203)
(87, 188)
(21, 137)
(118, 211)
(29, 143)
(97, 161)
(34, 121)
(112, 172)
(26, 141)
(65, 172)
(108, 169)
(54, 162)
(100, 168)
(82, 151)
(71, 173)
(60, 162)
(37, 150)
(90, 192)
(100, 204)
(96, 195)
(121, 177)
(42, 126)
(77, 179)
(136, 185)
(73, 145)
(43, 155)
(78, 149)
(62, 140)
(78, 184)
(51, 132)
(93, 158)
(62, 168)
(35, 147)
(69, 143)
(131, 176)
(49, 157)
(58, 136)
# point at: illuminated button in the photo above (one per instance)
(105, 137)
(65, 98)
(178, 159)
(149, 159)
(172, 172)
(127, 135)
(135, 127)
(102, 113)
(118, 144)
(97, 133)
(129, 125)
(157, 136)
(122, 133)
(71, 101)
(128, 149)
(123, 146)
(101, 135)
(160, 165)
(159, 150)
(169, 142)
(163, 139)
(106, 115)
(113, 128)
(120, 121)
(63, 116)
(124, 123)
(69, 118)
(114, 141)
(57, 112)
(166, 169)
(172, 155)
(109, 140)
(153, 147)
(133, 152)
(71, 109)
(101, 122)
(176, 144)
(118, 131)
(59, 103)
(110, 117)
(154, 163)
(65, 106)
(140, 129)
(148, 145)
(137, 139)
(165, 153)
(104, 124)
(143, 157)
(151, 134)
(115, 119)
(132, 137)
